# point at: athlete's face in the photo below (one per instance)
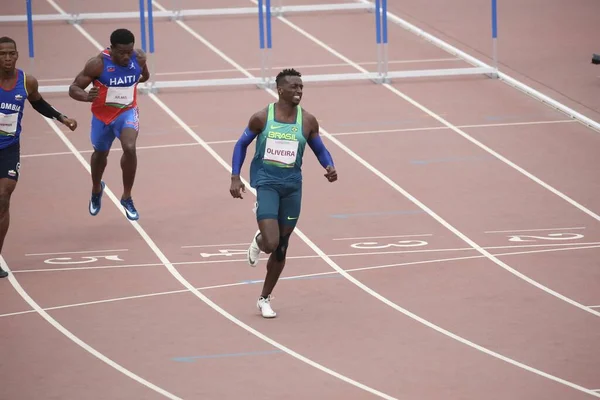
(121, 53)
(8, 56)
(290, 89)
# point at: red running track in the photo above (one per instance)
(434, 268)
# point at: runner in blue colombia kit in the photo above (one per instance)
(16, 87)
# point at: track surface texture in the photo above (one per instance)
(455, 258)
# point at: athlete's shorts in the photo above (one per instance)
(103, 135)
(281, 202)
(10, 162)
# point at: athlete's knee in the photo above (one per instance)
(129, 148)
(270, 243)
(100, 152)
(128, 142)
(281, 250)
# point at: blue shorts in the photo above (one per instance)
(280, 202)
(103, 135)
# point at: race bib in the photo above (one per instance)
(8, 124)
(281, 151)
(120, 96)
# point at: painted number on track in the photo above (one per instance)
(81, 260)
(551, 236)
(378, 245)
(225, 253)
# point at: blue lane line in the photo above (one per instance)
(254, 353)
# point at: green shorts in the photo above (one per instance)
(280, 202)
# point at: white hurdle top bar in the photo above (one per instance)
(188, 13)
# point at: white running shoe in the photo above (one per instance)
(254, 251)
(264, 305)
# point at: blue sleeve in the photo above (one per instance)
(317, 146)
(239, 151)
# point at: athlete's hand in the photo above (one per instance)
(69, 123)
(237, 187)
(92, 94)
(331, 174)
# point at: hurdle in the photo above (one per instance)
(265, 12)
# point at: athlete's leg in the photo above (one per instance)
(276, 261)
(9, 175)
(127, 128)
(266, 239)
(289, 212)
(102, 138)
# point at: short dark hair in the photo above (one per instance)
(6, 39)
(286, 72)
(121, 36)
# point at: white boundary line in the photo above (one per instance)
(537, 230)
(384, 237)
(74, 252)
(355, 254)
(293, 277)
(78, 341)
(163, 258)
(399, 130)
(299, 233)
(307, 240)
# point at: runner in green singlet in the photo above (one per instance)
(282, 130)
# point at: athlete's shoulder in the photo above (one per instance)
(309, 119)
(95, 65)
(258, 120)
(31, 83)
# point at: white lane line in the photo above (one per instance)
(333, 264)
(78, 341)
(399, 130)
(292, 277)
(383, 237)
(355, 254)
(303, 237)
(537, 230)
(162, 257)
(441, 120)
(75, 252)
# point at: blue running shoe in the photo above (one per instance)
(96, 201)
(130, 210)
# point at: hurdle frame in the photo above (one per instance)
(382, 76)
(265, 12)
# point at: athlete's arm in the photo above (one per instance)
(318, 147)
(141, 56)
(92, 70)
(255, 126)
(41, 106)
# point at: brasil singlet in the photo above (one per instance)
(117, 88)
(279, 150)
(12, 103)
